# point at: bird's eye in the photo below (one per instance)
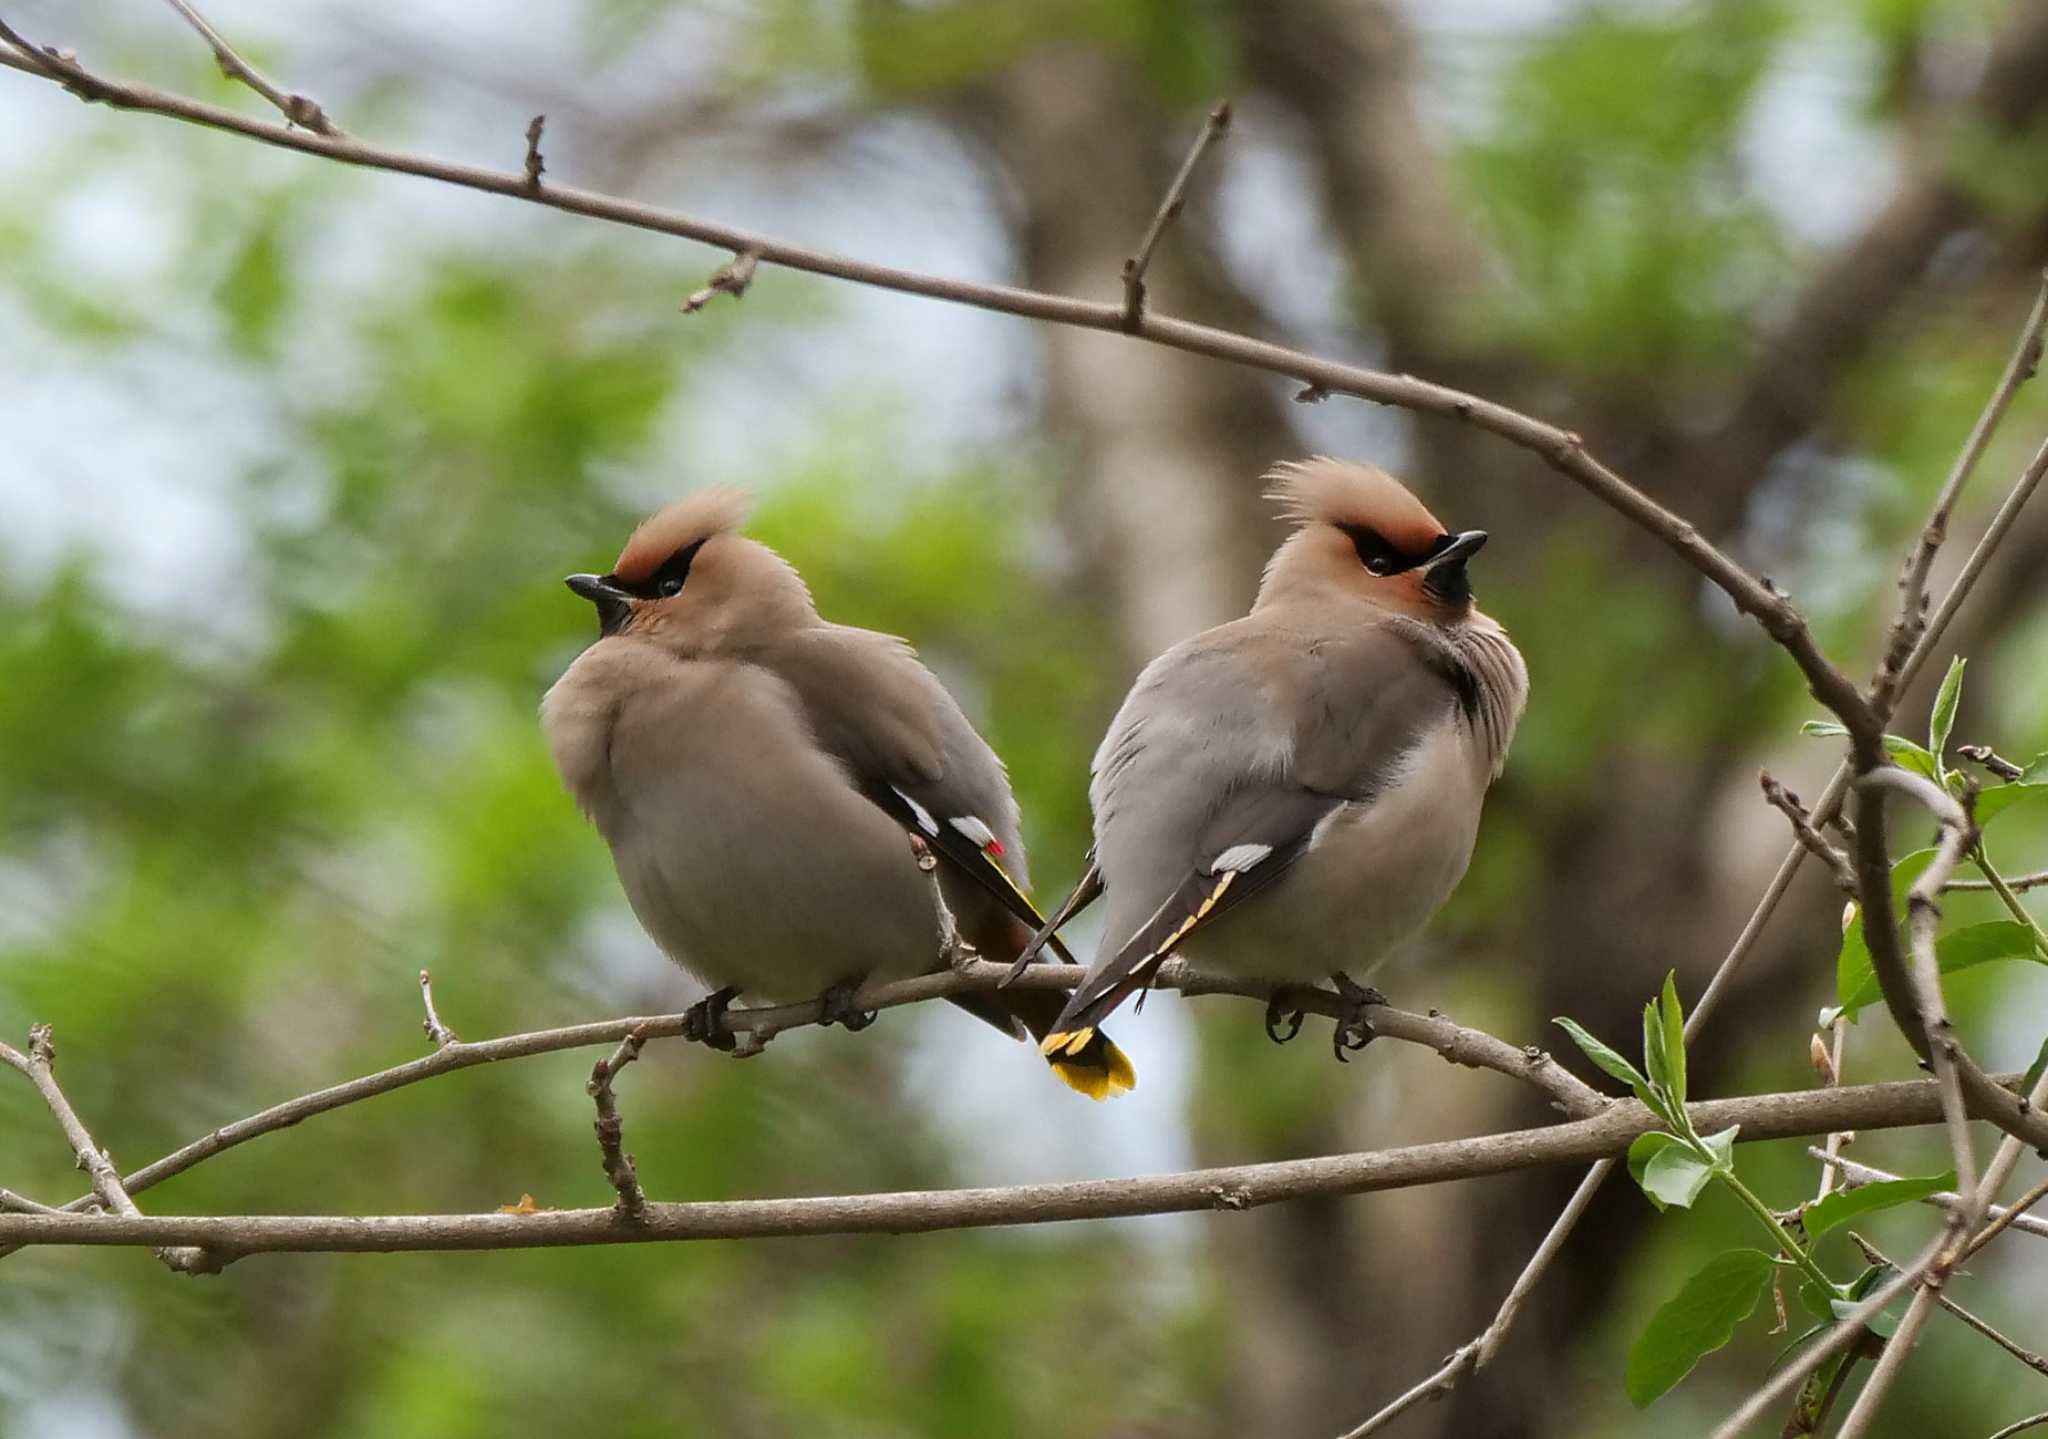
(1378, 566)
(671, 586)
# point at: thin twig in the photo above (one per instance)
(297, 109)
(2021, 1426)
(611, 1130)
(2018, 1351)
(40, 1066)
(535, 166)
(1169, 209)
(1232, 1189)
(1787, 804)
(1992, 760)
(1912, 619)
(1855, 1175)
(22, 1204)
(731, 278)
(1832, 1050)
(2017, 882)
(440, 1033)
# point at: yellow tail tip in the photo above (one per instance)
(1091, 1064)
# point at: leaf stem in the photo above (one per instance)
(2010, 900)
(1793, 1250)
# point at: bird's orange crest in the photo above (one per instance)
(1348, 495)
(688, 521)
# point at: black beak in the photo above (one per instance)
(613, 604)
(1444, 572)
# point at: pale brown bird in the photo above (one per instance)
(1291, 795)
(759, 772)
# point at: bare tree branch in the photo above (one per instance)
(1562, 449)
(2018, 1351)
(1456, 1043)
(1912, 620)
(438, 1032)
(1169, 210)
(618, 1165)
(1233, 1188)
(40, 1067)
(2021, 1426)
(298, 109)
(1817, 845)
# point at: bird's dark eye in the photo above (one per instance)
(668, 581)
(1375, 553)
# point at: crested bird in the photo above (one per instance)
(793, 806)
(1293, 794)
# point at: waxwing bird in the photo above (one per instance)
(760, 774)
(1291, 795)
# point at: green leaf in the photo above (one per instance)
(1654, 1059)
(1847, 1204)
(1675, 1175)
(1945, 700)
(1696, 1321)
(1817, 1300)
(1960, 949)
(1723, 1146)
(1881, 1323)
(1609, 1060)
(1908, 754)
(1994, 802)
(2036, 1069)
(1674, 1036)
(1669, 1171)
(1645, 1148)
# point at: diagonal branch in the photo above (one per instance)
(298, 109)
(1912, 620)
(1169, 210)
(40, 1066)
(1912, 991)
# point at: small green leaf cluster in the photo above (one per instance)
(1674, 1165)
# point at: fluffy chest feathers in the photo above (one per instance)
(742, 846)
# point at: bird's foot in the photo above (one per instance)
(837, 1007)
(1279, 1013)
(1354, 1031)
(704, 1021)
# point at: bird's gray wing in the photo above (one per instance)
(908, 747)
(1222, 765)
